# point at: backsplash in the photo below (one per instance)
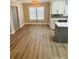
(58, 16)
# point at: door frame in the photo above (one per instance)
(16, 9)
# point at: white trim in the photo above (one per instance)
(12, 32)
(30, 24)
(22, 25)
(36, 24)
(16, 30)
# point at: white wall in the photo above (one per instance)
(12, 30)
(20, 15)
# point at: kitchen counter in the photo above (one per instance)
(61, 24)
(61, 32)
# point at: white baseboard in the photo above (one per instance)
(30, 24)
(12, 32)
(36, 24)
(16, 30)
(22, 25)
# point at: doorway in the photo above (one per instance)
(15, 17)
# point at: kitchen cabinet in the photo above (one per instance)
(53, 20)
(58, 6)
(61, 7)
(66, 10)
(61, 32)
(54, 7)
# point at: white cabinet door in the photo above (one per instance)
(61, 6)
(54, 7)
(66, 10)
(58, 6)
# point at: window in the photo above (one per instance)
(36, 13)
(40, 13)
(32, 13)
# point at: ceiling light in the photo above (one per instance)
(35, 2)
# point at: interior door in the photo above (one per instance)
(14, 10)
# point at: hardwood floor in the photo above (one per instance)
(34, 42)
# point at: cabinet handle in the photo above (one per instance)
(64, 11)
(57, 11)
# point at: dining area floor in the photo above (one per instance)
(36, 42)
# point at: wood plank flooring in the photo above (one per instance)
(34, 42)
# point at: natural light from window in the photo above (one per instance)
(36, 13)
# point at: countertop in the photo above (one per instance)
(61, 24)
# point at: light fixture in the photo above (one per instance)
(35, 2)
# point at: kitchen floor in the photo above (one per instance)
(36, 42)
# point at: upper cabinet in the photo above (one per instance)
(66, 10)
(54, 7)
(59, 7)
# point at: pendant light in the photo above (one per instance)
(35, 2)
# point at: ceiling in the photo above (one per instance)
(28, 1)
